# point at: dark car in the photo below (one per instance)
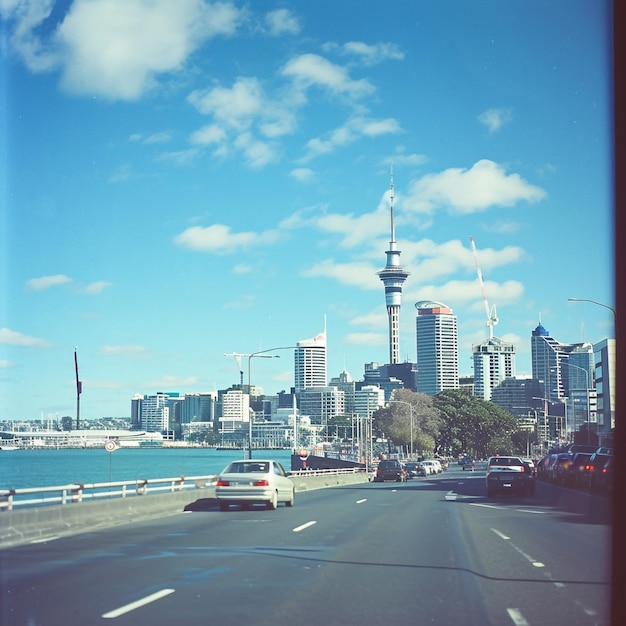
(508, 474)
(573, 478)
(414, 468)
(468, 463)
(591, 477)
(605, 482)
(390, 470)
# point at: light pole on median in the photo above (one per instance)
(410, 407)
(262, 354)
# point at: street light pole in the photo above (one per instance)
(260, 353)
(410, 407)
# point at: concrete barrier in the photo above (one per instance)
(44, 523)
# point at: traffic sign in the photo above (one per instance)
(110, 446)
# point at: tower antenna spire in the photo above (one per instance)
(393, 277)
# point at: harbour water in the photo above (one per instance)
(48, 467)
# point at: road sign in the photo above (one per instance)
(110, 446)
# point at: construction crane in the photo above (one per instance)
(238, 359)
(492, 317)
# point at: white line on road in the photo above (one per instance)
(450, 495)
(517, 617)
(138, 603)
(299, 528)
(361, 501)
(501, 535)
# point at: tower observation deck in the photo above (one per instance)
(393, 277)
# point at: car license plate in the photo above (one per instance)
(506, 484)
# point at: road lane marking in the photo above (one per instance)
(138, 603)
(517, 617)
(529, 558)
(486, 506)
(299, 528)
(450, 495)
(531, 511)
(501, 535)
(361, 501)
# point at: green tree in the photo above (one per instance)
(471, 425)
(67, 423)
(393, 421)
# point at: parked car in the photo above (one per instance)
(253, 482)
(605, 482)
(414, 468)
(390, 470)
(468, 463)
(508, 474)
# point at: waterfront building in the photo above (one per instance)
(344, 383)
(494, 360)
(437, 347)
(198, 407)
(393, 277)
(235, 410)
(155, 412)
(322, 404)
(310, 363)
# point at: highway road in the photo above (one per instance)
(433, 550)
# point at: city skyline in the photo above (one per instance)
(219, 184)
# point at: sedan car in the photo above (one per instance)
(414, 469)
(254, 482)
(508, 474)
(390, 470)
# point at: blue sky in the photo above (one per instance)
(192, 178)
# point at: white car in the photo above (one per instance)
(254, 482)
(430, 466)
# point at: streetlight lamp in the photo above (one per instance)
(604, 306)
(410, 407)
(261, 354)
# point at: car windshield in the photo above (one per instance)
(243, 467)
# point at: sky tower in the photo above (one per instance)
(393, 277)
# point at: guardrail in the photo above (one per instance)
(73, 493)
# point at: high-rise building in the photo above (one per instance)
(437, 347)
(494, 360)
(310, 363)
(547, 355)
(605, 356)
(393, 277)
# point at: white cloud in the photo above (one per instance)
(486, 184)
(45, 282)
(282, 21)
(302, 174)
(212, 133)
(355, 274)
(371, 54)
(220, 240)
(495, 119)
(97, 287)
(351, 131)
(10, 337)
(117, 48)
(312, 70)
(5, 364)
(258, 153)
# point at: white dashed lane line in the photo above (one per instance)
(138, 604)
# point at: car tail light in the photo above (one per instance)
(261, 483)
(222, 483)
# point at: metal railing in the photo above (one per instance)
(74, 493)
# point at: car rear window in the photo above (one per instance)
(505, 460)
